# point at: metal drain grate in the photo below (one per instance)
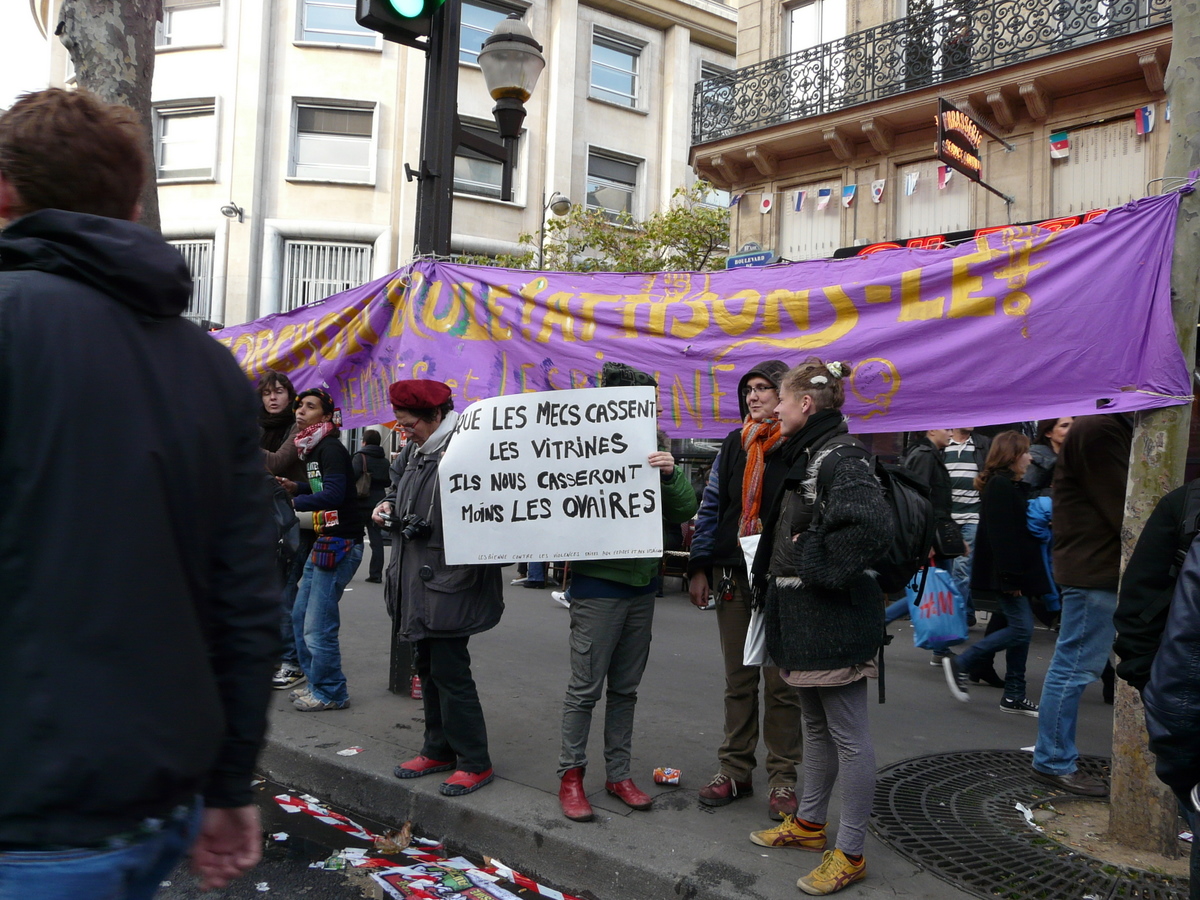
(954, 814)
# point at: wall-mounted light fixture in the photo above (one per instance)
(232, 211)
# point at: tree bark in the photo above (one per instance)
(1144, 812)
(111, 43)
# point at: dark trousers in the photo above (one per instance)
(375, 537)
(454, 726)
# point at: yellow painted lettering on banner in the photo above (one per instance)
(475, 329)
(332, 333)
(397, 297)
(471, 376)
(588, 314)
(495, 309)
(717, 393)
(528, 295)
(524, 376)
(558, 316)
(878, 293)
(743, 320)
(794, 303)
(965, 299)
(362, 333)
(912, 307)
(629, 306)
(696, 323)
(680, 399)
(845, 318)
(444, 322)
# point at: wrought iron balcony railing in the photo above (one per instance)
(930, 45)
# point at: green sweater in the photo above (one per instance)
(678, 505)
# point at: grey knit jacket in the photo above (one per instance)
(824, 609)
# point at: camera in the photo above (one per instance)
(413, 527)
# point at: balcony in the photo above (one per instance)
(955, 41)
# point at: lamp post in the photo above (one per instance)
(511, 61)
(560, 205)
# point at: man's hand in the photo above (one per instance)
(290, 486)
(663, 461)
(229, 844)
(384, 508)
(698, 589)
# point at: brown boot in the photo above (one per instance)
(572, 796)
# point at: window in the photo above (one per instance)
(614, 70)
(475, 173)
(189, 23)
(716, 197)
(185, 142)
(1106, 168)
(199, 257)
(332, 22)
(314, 270)
(815, 22)
(334, 143)
(810, 233)
(479, 19)
(930, 210)
(611, 184)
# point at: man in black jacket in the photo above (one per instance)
(371, 458)
(139, 606)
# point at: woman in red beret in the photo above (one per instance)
(435, 606)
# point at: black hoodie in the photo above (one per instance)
(139, 614)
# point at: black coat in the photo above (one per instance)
(1007, 556)
(139, 602)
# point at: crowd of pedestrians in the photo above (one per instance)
(792, 524)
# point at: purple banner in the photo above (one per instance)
(1016, 325)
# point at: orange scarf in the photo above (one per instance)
(758, 440)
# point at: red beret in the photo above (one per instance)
(418, 393)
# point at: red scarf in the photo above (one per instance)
(309, 437)
(758, 440)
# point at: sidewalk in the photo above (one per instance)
(677, 850)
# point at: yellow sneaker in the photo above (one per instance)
(790, 834)
(833, 874)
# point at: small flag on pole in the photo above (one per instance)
(1060, 145)
(877, 189)
(800, 200)
(764, 205)
(910, 183)
(945, 173)
(733, 201)
(823, 195)
(1144, 119)
(848, 193)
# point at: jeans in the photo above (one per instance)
(1013, 638)
(537, 573)
(316, 619)
(1085, 638)
(122, 872)
(610, 642)
(898, 609)
(960, 569)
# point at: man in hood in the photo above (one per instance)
(138, 603)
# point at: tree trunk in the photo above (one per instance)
(1143, 810)
(111, 43)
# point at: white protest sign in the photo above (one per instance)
(554, 475)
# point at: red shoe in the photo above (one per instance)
(422, 765)
(465, 782)
(629, 794)
(573, 798)
(723, 790)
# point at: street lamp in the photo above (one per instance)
(511, 61)
(560, 205)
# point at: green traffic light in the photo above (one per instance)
(407, 8)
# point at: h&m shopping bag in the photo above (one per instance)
(939, 615)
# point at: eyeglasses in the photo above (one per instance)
(759, 389)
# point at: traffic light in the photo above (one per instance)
(402, 21)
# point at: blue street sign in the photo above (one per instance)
(742, 260)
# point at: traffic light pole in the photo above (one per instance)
(439, 133)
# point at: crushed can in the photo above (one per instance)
(667, 775)
(414, 688)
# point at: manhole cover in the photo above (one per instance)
(955, 815)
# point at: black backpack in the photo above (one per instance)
(1189, 525)
(908, 497)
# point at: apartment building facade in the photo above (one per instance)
(841, 97)
(282, 132)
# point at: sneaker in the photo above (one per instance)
(834, 873)
(520, 580)
(723, 790)
(560, 597)
(938, 656)
(299, 692)
(286, 677)
(790, 835)
(782, 801)
(1076, 782)
(465, 782)
(421, 765)
(1020, 706)
(956, 679)
(309, 703)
